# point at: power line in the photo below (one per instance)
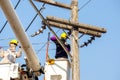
(6, 20)
(81, 36)
(84, 5)
(41, 48)
(34, 17)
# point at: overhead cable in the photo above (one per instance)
(41, 48)
(6, 20)
(35, 17)
(81, 36)
(84, 5)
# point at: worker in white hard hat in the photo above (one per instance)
(10, 55)
(60, 52)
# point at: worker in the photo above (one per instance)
(10, 55)
(60, 52)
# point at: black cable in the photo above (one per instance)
(17, 4)
(81, 36)
(84, 5)
(4, 26)
(34, 17)
(6, 20)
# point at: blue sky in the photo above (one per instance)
(99, 60)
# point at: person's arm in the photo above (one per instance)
(68, 47)
(1, 52)
(19, 53)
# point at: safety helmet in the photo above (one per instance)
(14, 41)
(63, 35)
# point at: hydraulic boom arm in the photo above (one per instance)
(21, 35)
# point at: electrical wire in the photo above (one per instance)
(35, 17)
(81, 36)
(6, 38)
(84, 5)
(7, 20)
(41, 48)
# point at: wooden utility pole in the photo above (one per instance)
(74, 42)
(75, 27)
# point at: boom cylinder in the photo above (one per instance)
(17, 27)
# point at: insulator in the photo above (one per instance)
(85, 43)
(92, 38)
(38, 32)
(90, 41)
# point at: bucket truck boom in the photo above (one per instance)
(21, 35)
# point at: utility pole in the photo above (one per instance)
(75, 27)
(74, 42)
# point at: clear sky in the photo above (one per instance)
(99, 60)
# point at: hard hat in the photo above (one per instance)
(63, 36)
(14, 41)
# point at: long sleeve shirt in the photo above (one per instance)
(60, 52)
